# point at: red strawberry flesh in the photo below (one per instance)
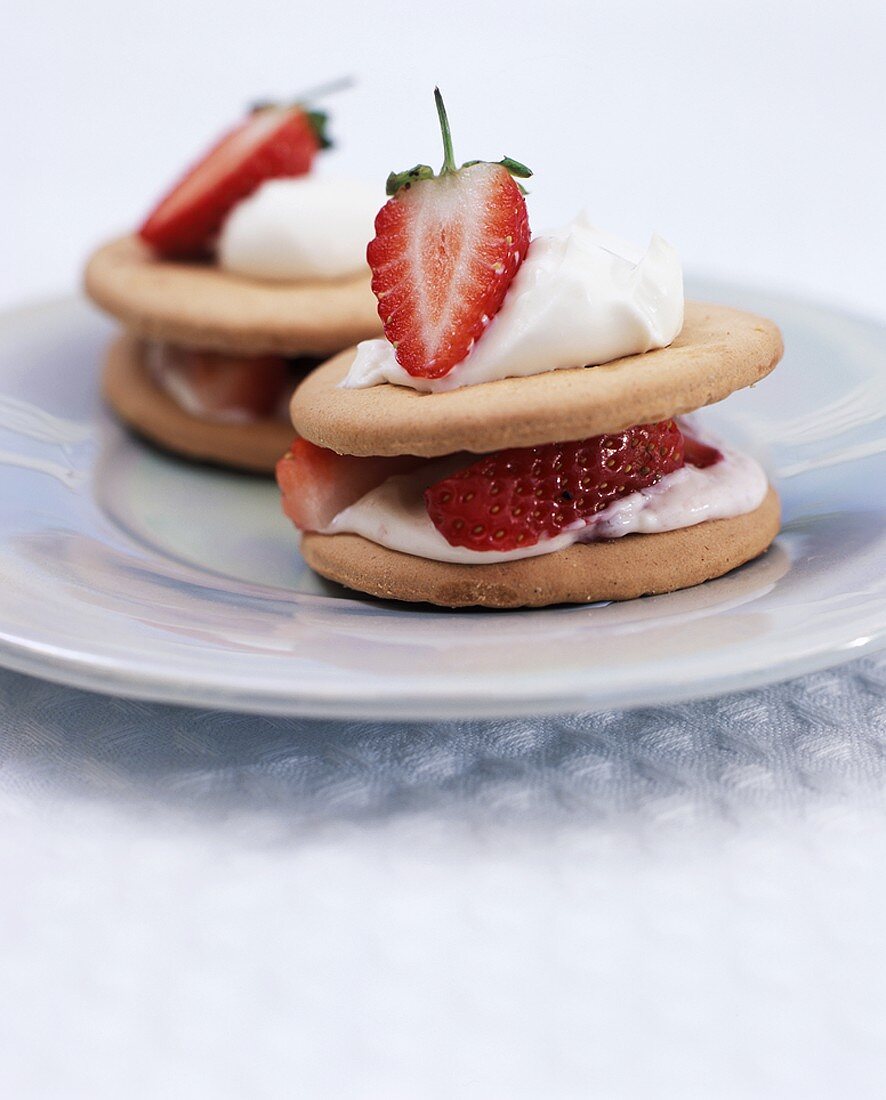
(445, 251)
(272, 142)
(317, 483)
(444, 254)
(514, 498)
(696, 453)
(255, 386)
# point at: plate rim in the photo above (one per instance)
(121, 678)
(107, 678)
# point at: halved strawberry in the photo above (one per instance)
(696, 453)
(317, 483)
(514, 498)
(219, 383)
(273, 141)
(445, 251)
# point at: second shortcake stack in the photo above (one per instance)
(245, 275)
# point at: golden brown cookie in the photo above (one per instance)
(130, 389)
(201, 306)
(719, 350)
(619, 569)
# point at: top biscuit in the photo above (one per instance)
(719, 350)
(201, 306)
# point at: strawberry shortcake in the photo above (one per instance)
(246, 274)
(521, 434)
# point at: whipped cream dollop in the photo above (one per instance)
(301, 228)
(580, 298)
(394, 513)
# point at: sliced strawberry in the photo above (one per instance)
(317, 483)
(446, 249)
(218, 384)
(514, 498)
(273, 141)
(696, 453)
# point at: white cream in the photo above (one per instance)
(581, 297)
(302, 228)
(394, 514)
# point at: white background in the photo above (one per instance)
(749, 133)
(206, 906)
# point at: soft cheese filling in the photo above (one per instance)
(394, 514)
(299, 229)
(227, 389)
(581, 297)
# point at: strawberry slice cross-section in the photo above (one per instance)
(514, 498)
(220, 385)
(272, 142)
(446, 248)
(316, 484)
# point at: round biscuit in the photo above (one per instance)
(201, 306)
(618, 569)
(131, 391)
(718, 351)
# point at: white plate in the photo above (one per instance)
(128, 572)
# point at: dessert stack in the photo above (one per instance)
(519, 435)
(246, 274)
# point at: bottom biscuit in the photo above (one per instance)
(618, 569)
(130, 390)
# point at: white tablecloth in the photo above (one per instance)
(681, 901)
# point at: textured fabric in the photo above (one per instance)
(680, 901)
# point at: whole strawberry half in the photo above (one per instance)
(514, 498)
(446, 249)
(273, 141)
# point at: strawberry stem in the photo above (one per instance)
(320, 91)
(421, 172)
(448, 155)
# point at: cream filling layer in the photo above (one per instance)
(581, 297)
(394, 514)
